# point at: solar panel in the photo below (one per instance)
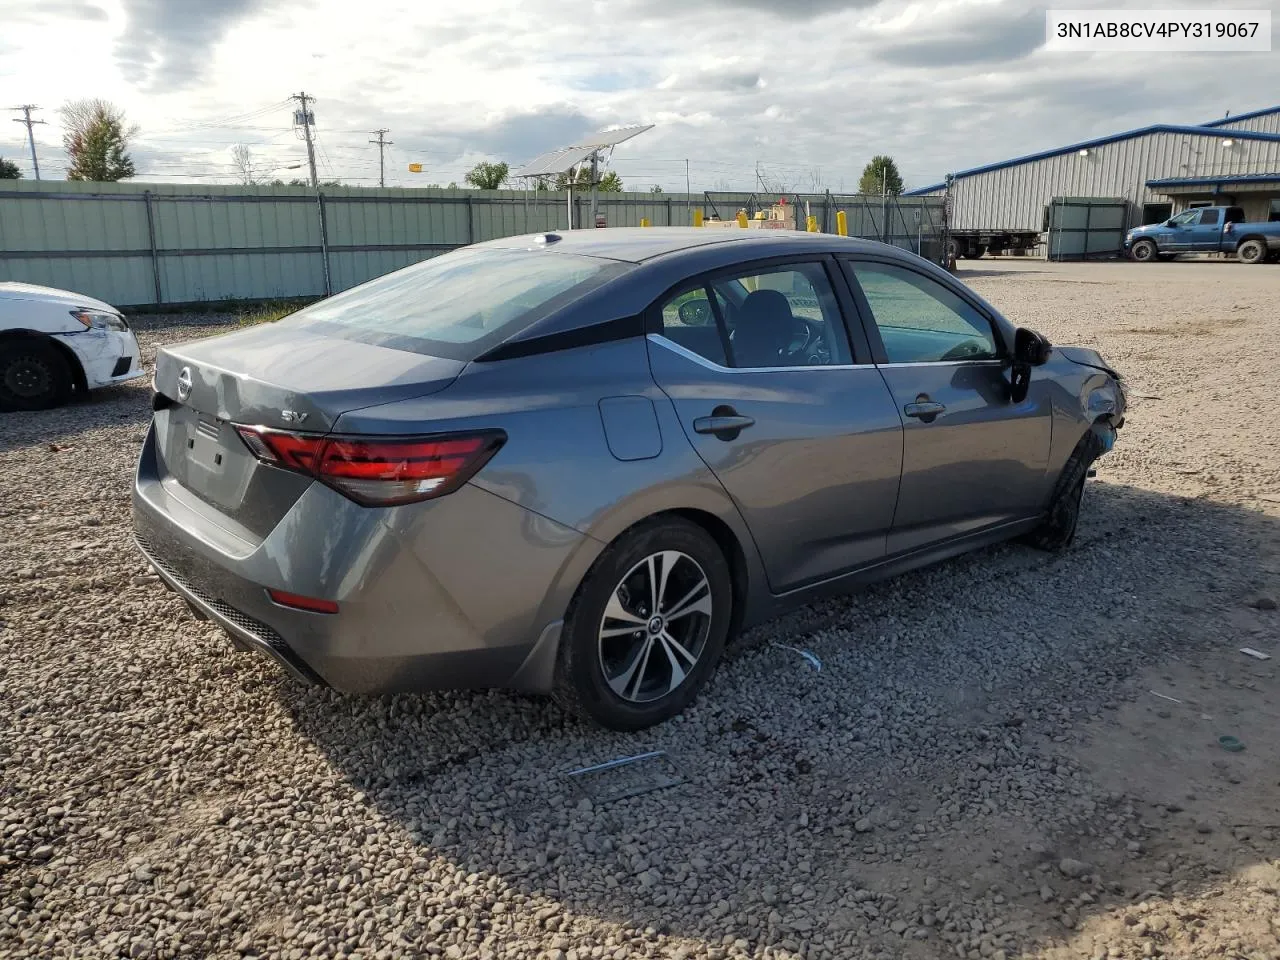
(566, 158)
(557, 161)
(611, 138)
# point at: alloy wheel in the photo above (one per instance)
(655, 626)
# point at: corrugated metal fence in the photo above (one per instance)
(134, 244)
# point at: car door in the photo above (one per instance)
(1205, 231)
(972, 459)
(1179, 235)
(797, 425)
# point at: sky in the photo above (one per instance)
(798, 93)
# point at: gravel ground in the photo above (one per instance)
(980, 768)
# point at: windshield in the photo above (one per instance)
(459, 304)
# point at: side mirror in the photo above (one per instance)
(1030, 348)
(695, 312)
(1170, 223)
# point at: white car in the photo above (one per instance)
(53, 342)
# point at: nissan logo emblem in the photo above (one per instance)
(184, 383)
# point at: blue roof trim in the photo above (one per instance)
(1242, 116)
(1210, 181)
(1099, 142)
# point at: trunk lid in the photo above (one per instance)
(294, 379)
(273, 377)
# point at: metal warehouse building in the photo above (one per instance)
(1111, 184)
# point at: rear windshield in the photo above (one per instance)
(459, 304)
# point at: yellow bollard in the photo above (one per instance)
(811, 224)
(742, 219)
(842, 223)
(644, 222)
(697, 217)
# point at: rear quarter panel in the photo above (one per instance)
(557, 460)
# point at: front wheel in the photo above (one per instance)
(1252, 251)
(1057, 530)
(647, 626)
(33, 375)
(1144, 251)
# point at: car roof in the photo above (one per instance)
(638, 244)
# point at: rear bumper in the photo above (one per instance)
(463, 592)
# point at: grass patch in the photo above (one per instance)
(267, 312)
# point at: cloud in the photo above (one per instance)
(781, 9)
(972, 38)
(726, 79)
(166, 43)
(43, 11)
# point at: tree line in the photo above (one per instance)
(97, 136)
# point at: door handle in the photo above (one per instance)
(722, 424)
(926, 410)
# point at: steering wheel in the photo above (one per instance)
(964, 351)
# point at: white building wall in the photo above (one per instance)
(1014, 197)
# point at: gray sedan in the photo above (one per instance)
(577, 464)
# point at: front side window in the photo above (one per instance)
(920, 320)
(1209, 217)
(1187, 217)
(782, 317)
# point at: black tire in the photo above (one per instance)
(582, 685)
(1063, 516)
(974, 252)
(1252, 251)
(34, 375)
(955, 248)
(1143, 251)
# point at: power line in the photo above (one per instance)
(382, 146)
(26, 109)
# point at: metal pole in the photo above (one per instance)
(151, 236)
(306, 130)
(595, 188)
(324, 244)
(26, 109)
(471, 224)
(688, 191)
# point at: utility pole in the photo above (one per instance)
(382, 145)
(26, 109)
(307, 119)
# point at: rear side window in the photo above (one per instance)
(1210, 217)
(461, 303)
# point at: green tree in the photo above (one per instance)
(9, 170)
(488, 176)
(609, 183)
(97, 141)
(881, 175)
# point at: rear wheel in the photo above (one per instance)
(647, 626)
(1144, 251)
(1252, 251)
(974, 251)
(33, 375)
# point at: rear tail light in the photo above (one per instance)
(298, 602)
(379, 471)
